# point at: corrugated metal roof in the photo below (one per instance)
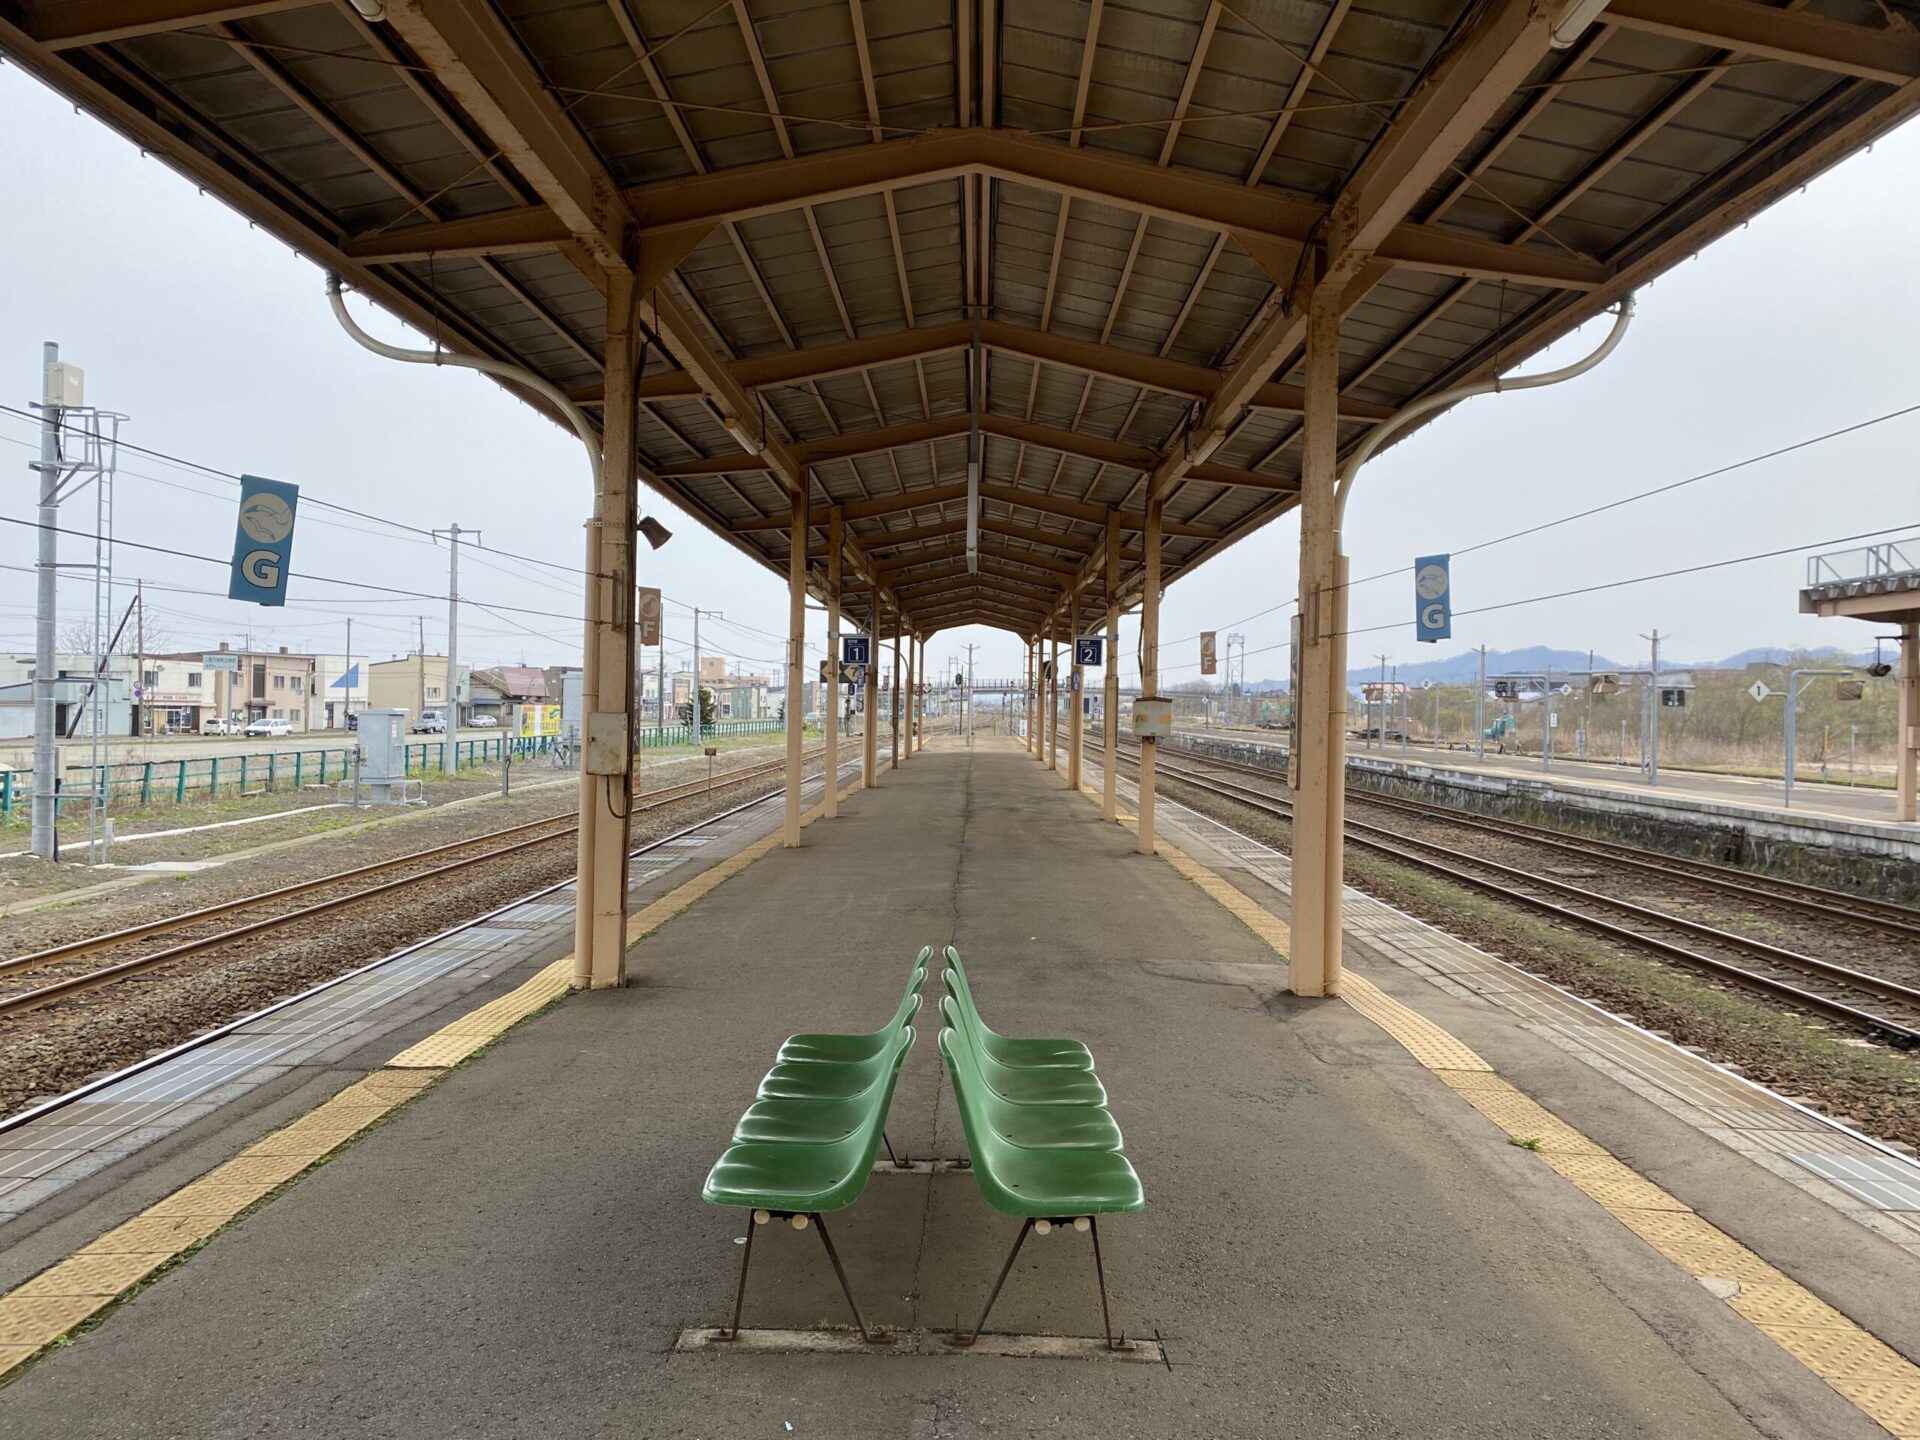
(1124, 272)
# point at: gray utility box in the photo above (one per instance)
(382, 775)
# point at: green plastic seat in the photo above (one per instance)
(1035, 1127)
(831, 1079)
(1017, 1050)
(802, 1122)
(1038, 1184)
(1029, 1085)
(844, 1048)
(807, 1178)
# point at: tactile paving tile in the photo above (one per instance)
(1615, 1185)
(1523, 1119)
(249, 1168)
(35, 1320)
(1787, 1304)
(437, 1052)
(1424, 1040)
(101, 1276)
(1697, 1247)
(1893, 1404)
(146, 1234)
(203, 1198)
(1841, 1354)
(1476, 1080)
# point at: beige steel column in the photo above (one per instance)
(870, 700)
(1075, 689)
(1033, 664)
(1318, 811)
(606, 800)
(1149, 667)
(1110, 719)
(920, 710)
(893, 707)
(907, 752)
(830, 722)
(1053, 694)
(1907, 755)
(796, 660)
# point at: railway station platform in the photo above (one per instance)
(1343, 1233)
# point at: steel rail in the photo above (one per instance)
(1885, 915)
(62, 989)
(186, 1047)
(1878, 1026)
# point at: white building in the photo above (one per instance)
(336, 693)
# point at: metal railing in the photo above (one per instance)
(1867, 562)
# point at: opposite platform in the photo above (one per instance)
(1335, 1243)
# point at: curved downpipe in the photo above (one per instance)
(575, 415)
(1401, 418)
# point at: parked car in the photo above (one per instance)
(215, 727)
(484, 722)
(265, 725)
(431, 722)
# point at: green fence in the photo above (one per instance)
(145, 782)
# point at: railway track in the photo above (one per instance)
(1885, 916)
(1782, 974)
(364, 882)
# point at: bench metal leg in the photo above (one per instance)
(1005, 1270)
(740, 1295)
(865, 1334)
(1100, 1272)
(892, 1158)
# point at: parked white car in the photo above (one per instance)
(215, 727)
(431, 722)
(484, 722)
(269, 726)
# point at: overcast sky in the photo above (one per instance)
(218, 344)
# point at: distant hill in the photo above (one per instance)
(1461, 669)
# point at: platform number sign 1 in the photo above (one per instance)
(1089, 649)
(263, 541)
(856, 649)
(1433, 598)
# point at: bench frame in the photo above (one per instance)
(758, 1218)
(1100, 1273)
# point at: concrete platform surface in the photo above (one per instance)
(1335, 1243)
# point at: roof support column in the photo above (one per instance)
(796, 665)
(1053, 696)
(1319, 810)
(1110, 711)
(870, 700)
(830, 721)
(1074, 691)
(1033, 696)
(1907, 756)
(1149, 665)
(920, 708)
(893, 707)
(606, 799)
(907, 753)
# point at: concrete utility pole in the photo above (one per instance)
(140, 656)
(1479, 711)
(419, 667)
(46, 753)
(453, 533)
(346, 702)
(695, 722)
(970, 694)
(1653, 711)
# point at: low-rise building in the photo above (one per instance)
(413, 683)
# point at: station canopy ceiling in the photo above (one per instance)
(843, 213)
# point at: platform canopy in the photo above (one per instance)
(871, 234)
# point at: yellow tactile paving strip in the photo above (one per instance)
(1879, 1381)
(43, 1309)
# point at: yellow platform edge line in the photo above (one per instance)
(1872, 1376)
(41, 1310)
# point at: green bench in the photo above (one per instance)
(807, 1143)
(1045, 1148)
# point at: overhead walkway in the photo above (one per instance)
(1338, 1238)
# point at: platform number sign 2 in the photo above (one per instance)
(1433, 597)
(263, 541)
(1089, 649)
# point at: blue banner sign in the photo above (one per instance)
(856, 649)
(1433, 597)
(263, 541)
(1088, 649)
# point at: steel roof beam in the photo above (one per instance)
(1890, 56)
(1277, 222)
(68, 24)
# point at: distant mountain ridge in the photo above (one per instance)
(1463, 668)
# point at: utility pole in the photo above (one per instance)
(346, 702)
(1479, 711)
(1546, 720)
(420, 668)
(660, 702)
(140, 656)
(970, 694)
(46, 753)
(453, 534)
(1383, 701)
(1653, 711)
